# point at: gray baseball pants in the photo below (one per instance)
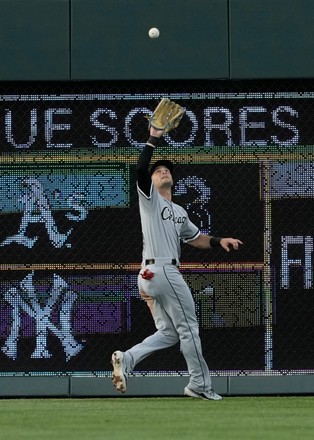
(175, 320)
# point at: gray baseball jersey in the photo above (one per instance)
(164, 223)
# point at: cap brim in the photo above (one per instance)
(162, 162)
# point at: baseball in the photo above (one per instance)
(153, 33)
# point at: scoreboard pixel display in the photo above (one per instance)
(70, 237)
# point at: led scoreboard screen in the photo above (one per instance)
(70, 235)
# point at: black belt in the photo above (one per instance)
(152, 261)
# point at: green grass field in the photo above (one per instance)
(157, 418)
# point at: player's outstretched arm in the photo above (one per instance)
(207, 242)
(166, 116)
(142, 168)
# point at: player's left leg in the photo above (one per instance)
(179, 305)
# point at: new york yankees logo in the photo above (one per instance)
(24, 299)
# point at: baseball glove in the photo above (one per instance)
(166, 116)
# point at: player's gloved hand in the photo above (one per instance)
(166, 116)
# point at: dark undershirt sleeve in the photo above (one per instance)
(142, 168)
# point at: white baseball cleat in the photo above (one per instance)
(119, 376)
(210, 395)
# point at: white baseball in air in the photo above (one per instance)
(153, 32)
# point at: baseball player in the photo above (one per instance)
(161, 285)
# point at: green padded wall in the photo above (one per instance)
(271, 38)
(34, 40)
(200, 39)
(110, 39)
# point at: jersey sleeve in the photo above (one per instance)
(143, 179)
(189, 230)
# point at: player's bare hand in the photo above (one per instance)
(155, 132)
(230, 243)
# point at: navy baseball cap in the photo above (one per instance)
(162, 162)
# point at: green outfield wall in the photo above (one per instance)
(199, 39)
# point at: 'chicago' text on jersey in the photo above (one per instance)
(167, 214)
